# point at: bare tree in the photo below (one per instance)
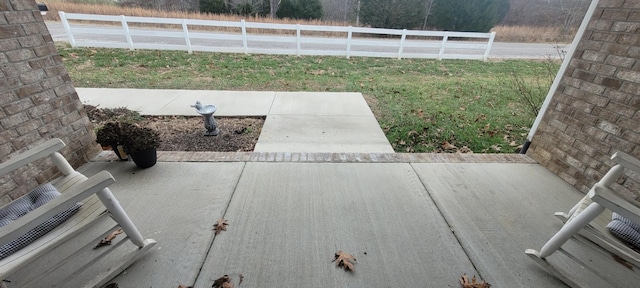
(274, 7)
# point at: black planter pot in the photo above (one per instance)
(145, 158)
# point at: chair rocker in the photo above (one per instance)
(56, 258)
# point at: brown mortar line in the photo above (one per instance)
(302, 157)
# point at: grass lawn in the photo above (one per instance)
(421, 105)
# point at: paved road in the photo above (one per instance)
(499, 50)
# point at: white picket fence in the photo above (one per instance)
(126, 32)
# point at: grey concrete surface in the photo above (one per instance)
(408, 224)
(302, 133)
(288, 219)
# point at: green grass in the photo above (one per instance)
(420, 104)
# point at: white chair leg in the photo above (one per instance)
(571, 228)
(119, 215)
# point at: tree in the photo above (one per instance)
(395, 14)
(214, 6)
(467, 15)
(300, 9)
(273, 7)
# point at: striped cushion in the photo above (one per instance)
(625, 229)
(26, 204)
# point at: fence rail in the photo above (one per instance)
(253, 37)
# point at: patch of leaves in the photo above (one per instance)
(344, 260)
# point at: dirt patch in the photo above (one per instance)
(186, 133)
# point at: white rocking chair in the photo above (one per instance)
(588, 219)
(98, 203)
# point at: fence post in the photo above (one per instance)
(349, 35)
(404, 36)
(67, 28)
(245, 45)
(187, 40)
(486, 52)
(298, 40)
(127, 34)
(445, 37)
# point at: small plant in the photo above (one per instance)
(133, 137)
(137, 139)
(109, 135)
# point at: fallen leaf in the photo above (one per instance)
(465, 149)
(447, 146)
(223, 282)
(221, 226)
(464, 280)
(623, 262)
(345, 260)
(184, 286)
(107, 240)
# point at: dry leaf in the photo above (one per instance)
(623, 262)
(345, 260)
(221, 226)
(107, 240)
(464, 280)
(447, 146)
(223, 282)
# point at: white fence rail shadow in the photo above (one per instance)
(182, 34)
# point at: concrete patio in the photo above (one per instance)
(416, 224)
(411, 220)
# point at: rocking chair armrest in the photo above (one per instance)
(43, 150)
(73, 195)
(626, 160)
(615, 202)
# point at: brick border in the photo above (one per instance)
(182, 156)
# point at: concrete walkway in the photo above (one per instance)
(295, 121)
(411, 220)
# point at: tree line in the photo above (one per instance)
(453, 15)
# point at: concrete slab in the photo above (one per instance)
(498, 211)
(176, 204)
(145, 101)
(301, 133)
(229, 103)
(286, 221)
(178, 102)
(320, 103)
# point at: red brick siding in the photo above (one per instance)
(37, 99)
(595, 110)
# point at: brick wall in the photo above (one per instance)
(37, 98)
(594, 111)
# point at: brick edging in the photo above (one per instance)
(302, 157)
